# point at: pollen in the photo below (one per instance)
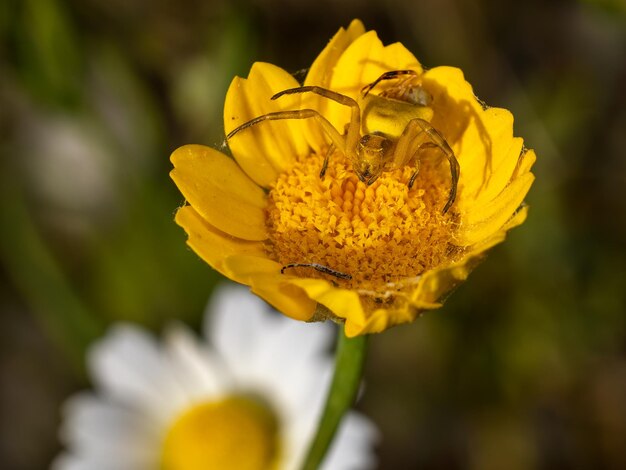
(378, 234)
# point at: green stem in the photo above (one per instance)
(341, 396)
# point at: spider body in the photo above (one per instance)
(385, 131)
(383, 122)
(389, 116)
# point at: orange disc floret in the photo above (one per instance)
(377, 234)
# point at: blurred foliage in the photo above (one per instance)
(524, 368)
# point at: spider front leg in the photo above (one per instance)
(386, 76)
(353, 128)
(346, 143)
(337, 139)
(406, 148)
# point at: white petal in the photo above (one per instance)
(101, 429)
(352, 448)
(94, 462)
(74, 462)
(256, 342)
(291, 343)
(236, 320)
(196, 369)
(127, 364)
(293, 369)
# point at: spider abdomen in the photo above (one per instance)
(389, 116)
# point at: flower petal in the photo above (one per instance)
(484, 221)
(380, 320)
(364, 61)
(192, 365)
(437, 283)
(127, 364)
(268, 148)
(285, 297)
(264, 278)
(525, 162)
(344, 303)
(320, 74)
(219, 191)
(357, 434)
(322, 69)
(103, 430)
(482, 139)
(93, 462)
(212, 245)
(235, 327)
(518, 218)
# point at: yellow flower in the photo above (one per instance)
(384, 252)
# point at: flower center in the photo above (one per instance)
(377, 234)
(236, 432)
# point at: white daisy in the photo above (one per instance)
(247, 398)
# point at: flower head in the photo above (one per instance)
(365, 196)
(249, 399)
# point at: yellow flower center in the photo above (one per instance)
(377, 234)
(236, 432)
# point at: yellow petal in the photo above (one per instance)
(219, 191)
(286, 298)
(455, 106)
(438, 282)
(268, 148)
(382, 319)
(489, 157)
(263, 276)
(525, 162)
(321, 72)
(364, 61)
(481, 139)
(212, 245)
(378, 321)
(483, 221)
(248, 266)
(344, 303)
(347, 304)
(518, 218)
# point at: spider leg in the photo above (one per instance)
(386, 76)
(318, 90)
(417, 161)
(353, 127)
(407, 146)
(318, 267)
(329, 152)
(337, 139)
(417, 170)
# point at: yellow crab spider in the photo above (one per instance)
(384, 131)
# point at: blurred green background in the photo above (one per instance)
(524, 368)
